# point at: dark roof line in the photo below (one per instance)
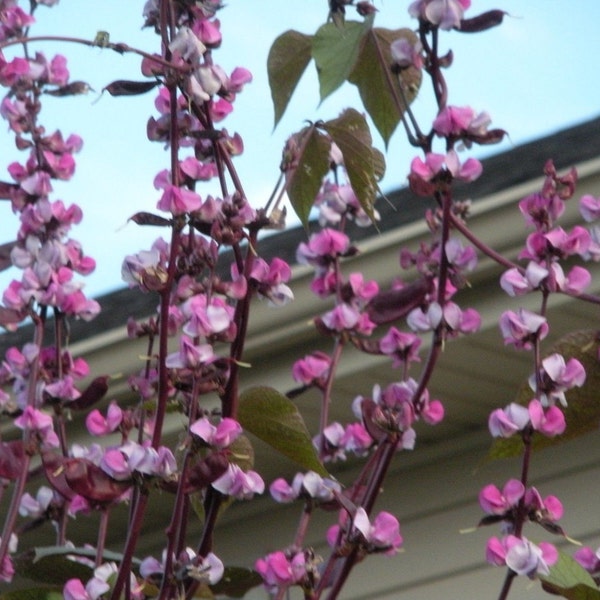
(501, 171)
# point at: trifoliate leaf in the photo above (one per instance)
(364, 164)
(306, 161)
(336, 48)
(288, 58)
(570, 580)
(275, 419)
(382, 91)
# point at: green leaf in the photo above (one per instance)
(335, 49)
(274, 419)
(288, 58)
(37, 593)
(49, 567)
(364, 164)
(383, 92)
(236, 582)
(583, 410)
(305, 163)
(569, 579)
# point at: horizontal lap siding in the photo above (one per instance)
(435, 501)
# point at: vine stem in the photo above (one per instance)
(117, 47)
(27, 437)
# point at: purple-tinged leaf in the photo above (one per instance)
(275, 420)
(124, 87)
(335, 49)
(288, 58)
(382, 91)
(94, 392)
(146, 218)
(482, 22)
(570, 580)
(305, 163)
(363, 163)
(582, 412)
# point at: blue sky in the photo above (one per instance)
(534, 74)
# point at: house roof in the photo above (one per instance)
(524, 163)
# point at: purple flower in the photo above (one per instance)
(189, 355)
(522, 328)
(447, 14)
(406, 54)
(589, 207)
(506, 422)
(521, 556)
(403, 347)
(558, 377)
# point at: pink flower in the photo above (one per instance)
(239, 484)
(99, 425)
(178, 200)
(41, 423)
(433, 412)
(311, 368)
(550, 422)
(219, 436)
(588, 559)
(277, 570)
(382, 534)
(496, 502)
(322, 247)
(453, 120)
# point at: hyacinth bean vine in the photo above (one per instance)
(330, 170)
